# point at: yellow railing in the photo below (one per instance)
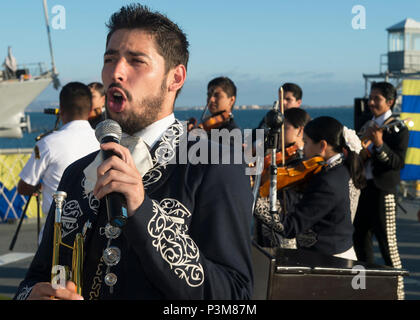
(12, 162)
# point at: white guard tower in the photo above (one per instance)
(403, 57)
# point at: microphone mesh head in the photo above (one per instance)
(108, 128)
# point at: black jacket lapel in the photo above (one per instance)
(164, 153)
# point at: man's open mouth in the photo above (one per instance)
(116, 99)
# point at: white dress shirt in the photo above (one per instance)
(139, 145)
(152, 133)
(57, 151)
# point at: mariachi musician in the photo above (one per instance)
(320, 219)
(295, 120)
(221, 97)
(97, 112)
(384, 157)
(186, 234)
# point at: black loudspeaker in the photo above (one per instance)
(361, 113)
(298, 274)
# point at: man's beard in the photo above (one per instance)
(142, 114)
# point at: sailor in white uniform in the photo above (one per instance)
(55, 152)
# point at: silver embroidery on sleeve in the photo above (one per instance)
(354, 194)
(71, 213)
(92, 200)
(24, 294)
(173, 243)
(262, 212)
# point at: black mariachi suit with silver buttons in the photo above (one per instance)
(190, 239)
(377, 201)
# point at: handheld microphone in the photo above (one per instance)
(110, 131)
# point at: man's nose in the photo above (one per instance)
(212, 99)
(119, 73)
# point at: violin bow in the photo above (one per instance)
(282, 127)
(283, 147)
(204, 111)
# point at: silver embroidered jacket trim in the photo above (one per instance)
(173, 243)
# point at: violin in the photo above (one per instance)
(94, 113)
(213, 122)
(290, 176)
(289, 152)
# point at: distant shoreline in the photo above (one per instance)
(243, 107)
(258, 107)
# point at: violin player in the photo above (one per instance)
(97, 112)
(221, 97)
(323, 212)
(295, 120)
(292, 95)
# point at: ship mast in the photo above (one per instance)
(56, 81)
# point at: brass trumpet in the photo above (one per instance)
(77, 261)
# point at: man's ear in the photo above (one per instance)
(177, 77)
(323, 145)
(299, 102)
(390, 102)
(300, 132)
(232, 100)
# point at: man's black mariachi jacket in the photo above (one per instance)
(190, 239)
(389, 160)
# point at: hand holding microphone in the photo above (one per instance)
(118, 178)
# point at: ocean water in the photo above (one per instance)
(246, 119)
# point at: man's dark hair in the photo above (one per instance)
(99, 87)
(387, 90)
(297, 117)
(171, 42)
(294, 89)
(75, 100)
(225, 83)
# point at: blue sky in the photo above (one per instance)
(258, 44)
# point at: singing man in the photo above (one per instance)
(187, 234)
